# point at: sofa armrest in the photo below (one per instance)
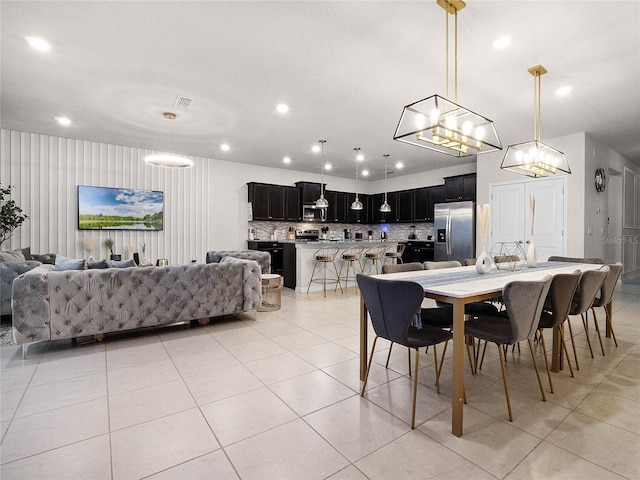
(263, 258)
(9, 271)
(251, 282)
(31, 314)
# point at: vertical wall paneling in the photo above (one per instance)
(46, 171)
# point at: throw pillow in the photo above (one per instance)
(48, 258)
(27, 253)
(98, 264)
(63, 263)
(12, 257)
(123, 263)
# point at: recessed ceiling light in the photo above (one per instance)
(39, 44)
(502, 42)
(315, 148)
(63, 121)
(360, 157)
(365, 173)
(399, 165)
(562, 91)
(286, 160)
(224, 147)
(282, 108)
(327, 166)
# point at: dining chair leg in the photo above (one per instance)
(439, 369)
(610, 325)
(366, 375)
(546, 361)
(535, 367)
(484, 350)
(435, 360)
(415, 391)
(595, 321)
(585, 324)
(504, 381)
(573, 344)
(471, 362)
(386, 365)
(409, 358)
(566, 351)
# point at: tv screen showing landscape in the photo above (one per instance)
(104, 208)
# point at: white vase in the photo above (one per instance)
(483, 263)
(532, 256)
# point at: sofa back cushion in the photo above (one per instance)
(13, 256)
(63, 263)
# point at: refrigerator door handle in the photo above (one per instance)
(448, 234)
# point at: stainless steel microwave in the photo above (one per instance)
(311, 213)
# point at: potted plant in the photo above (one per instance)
(11, 216)
(109, 243)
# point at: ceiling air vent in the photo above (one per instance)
(183, 102)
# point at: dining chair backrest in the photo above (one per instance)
(558, 302)
(556, 258)
(392, 306)
(524, 301)
(588, 288)
(444, 264)
(608, 286)
(402, 267)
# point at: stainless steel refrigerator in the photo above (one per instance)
(454, 224)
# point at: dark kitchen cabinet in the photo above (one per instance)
(268, 201)
(309, 191)
(337, 210)
(436, 195)
(378, 200)
(418, 251)
(460, 187)
(404, 210)
(289, 266)
(275, 250)
(421, 204)
(293, 211)
(358, 216)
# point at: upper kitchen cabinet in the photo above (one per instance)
(358, 216)
(268, 201)
(337, 210)
(309, 191)
(436, 195)
(293, 209)
(378, 200)
(404, 202)
(421, 205)
(460, 187)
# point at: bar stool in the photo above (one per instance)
(374, 255)
(324, 257)
(352, 258)
(394, 254)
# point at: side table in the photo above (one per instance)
(271, 292)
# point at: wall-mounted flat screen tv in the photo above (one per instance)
(104, 208)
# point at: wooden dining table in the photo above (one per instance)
(460, 286)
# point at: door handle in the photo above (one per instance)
(528, 242)
(449, 235)
(520, 241)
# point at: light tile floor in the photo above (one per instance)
(275, 395)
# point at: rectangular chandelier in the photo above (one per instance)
(441, 125)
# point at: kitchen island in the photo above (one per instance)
(304, 260)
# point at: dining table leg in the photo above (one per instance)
(457, 391)
(363, 339)
(609, 311)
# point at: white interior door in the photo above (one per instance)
(507, 219)
(511, 215)
(548, 224)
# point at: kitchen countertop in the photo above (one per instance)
(331, 242)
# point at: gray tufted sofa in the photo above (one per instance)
(53, 305)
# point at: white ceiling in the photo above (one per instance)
(345, 68)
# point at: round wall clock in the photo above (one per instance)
(599, 180)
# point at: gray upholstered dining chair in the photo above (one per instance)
(588, 288)
(393, 305)
(604, 298)
(435, 317)
(593, 260)
(555, 312)
(524, 301)
(430, 265)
